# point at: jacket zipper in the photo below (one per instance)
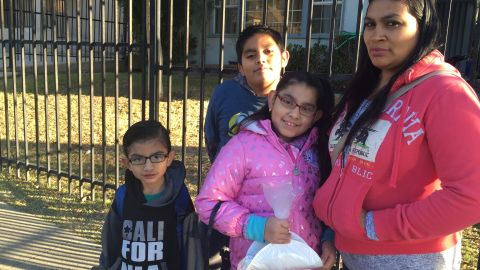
(335, 190)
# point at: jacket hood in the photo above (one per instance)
(242, 81)
(434, 61)
(174, 178)
(264, 127)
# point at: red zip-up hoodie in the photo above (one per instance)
(417, 169)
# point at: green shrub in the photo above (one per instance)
(343, 56)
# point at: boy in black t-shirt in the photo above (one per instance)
(143, 227)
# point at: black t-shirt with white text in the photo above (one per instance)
(149, 236)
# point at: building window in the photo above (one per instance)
(322, 13)
(59, 13)
(60, 19)
(22, 14)
(275, 12)
(231, 16)
(253, 12)
(295, 17)
(27, 12)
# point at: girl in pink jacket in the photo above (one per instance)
(279, 140)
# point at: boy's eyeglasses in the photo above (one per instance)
(289, 103)
(141, 160)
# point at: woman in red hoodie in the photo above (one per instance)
(407, 180)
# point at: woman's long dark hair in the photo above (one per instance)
(325, 103)
(367, 76)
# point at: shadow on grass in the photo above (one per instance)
(66, 210)
(81, 215)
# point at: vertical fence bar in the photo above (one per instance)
(476, 59)
(13, 56)
(170, 61)
(153, 89)
(286, 16)
(5, 86)
(35, 86)
(202, 93)
(358, 32)
(46, 92)
(24, 87)
(92, 96)
(472, 42)
(241, 23)
(104, 122)
(332, 37)
(130, 59)
(55, 66)
(144, 56)
(309, 35)
(221, 47)
(84, 20)
(478, 257)
(151, 62)
(447, 26)
(185, 76)
(79, 102)
(159, 65)
(69, 100)
(117, 147)
(264, 12)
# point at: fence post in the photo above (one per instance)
(476, 53)
(156, 62)
(146, 16)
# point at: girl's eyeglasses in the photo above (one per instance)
(141, 160)
(290, 103)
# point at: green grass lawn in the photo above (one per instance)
(177, 79)
(86, 136)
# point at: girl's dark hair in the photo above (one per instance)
(325, 102)
(367, 76)
(144, 131)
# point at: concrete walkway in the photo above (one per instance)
(27, 242)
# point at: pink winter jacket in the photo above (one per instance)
(251, 158)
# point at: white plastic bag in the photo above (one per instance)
(280, 195)
(295, 255)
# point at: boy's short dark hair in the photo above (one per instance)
(253, 30)
(144, 131)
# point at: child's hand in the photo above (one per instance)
(277, 231)
(328, 255)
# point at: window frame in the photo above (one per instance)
(340, 5)
(303, 17)
(215, 9)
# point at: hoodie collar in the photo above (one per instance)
(431, 62)
(174, 178)
(240, 79)
(264, 127)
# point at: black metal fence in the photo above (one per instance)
(77, 73)
(46, 48)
